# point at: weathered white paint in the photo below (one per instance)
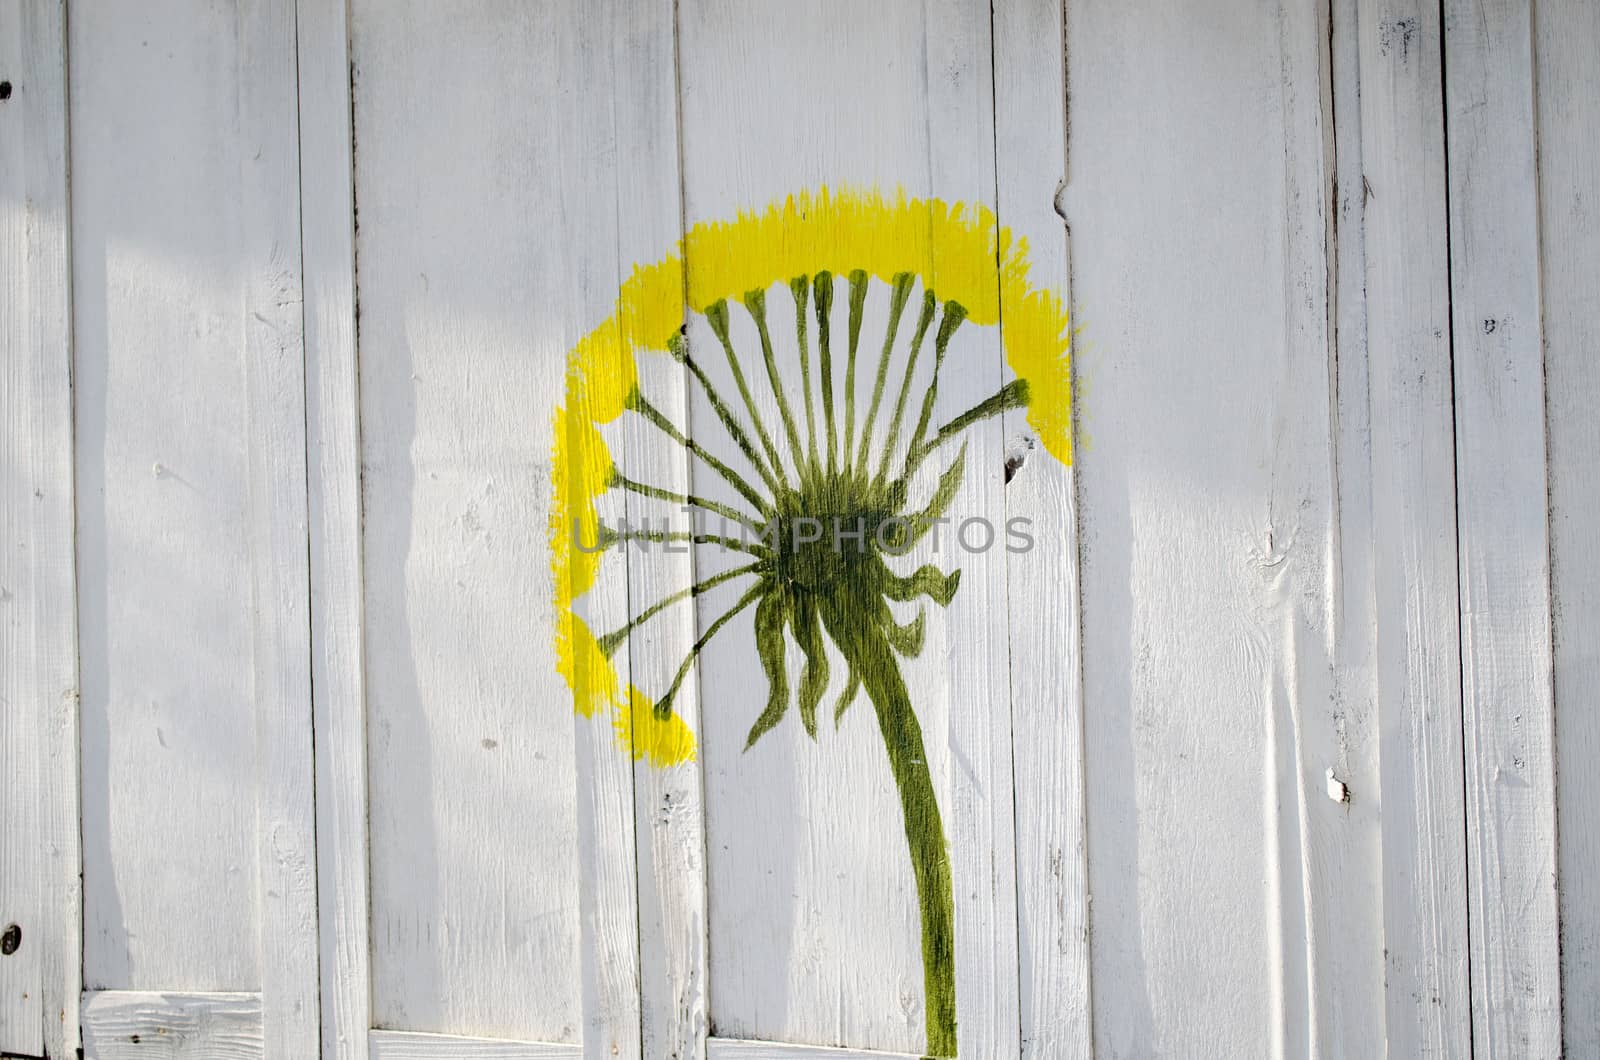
(168, 263)
(1042, 586)
(463, 119)
(275, 387)
(333, 486)
(1208, 509)
(1418, 657)
(1352, 1021)
(1501, 515)
(39, 880)
(141, 1025)
(1567, 82)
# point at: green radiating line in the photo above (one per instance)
(897, 304)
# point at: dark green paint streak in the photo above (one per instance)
(923, 321)
(869, 650)
(858, 301)
(1014, 395)
(614, 640)
(717, 317)
(756, 303)
(897, 304)
(621, 481)
(638, 403)
(954, 314)
(824, 302)
(800, 288)
(679, 348)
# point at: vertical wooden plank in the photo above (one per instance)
(163, 269)
(333, 481)
(962, 166)
(1042, 584)
(1208, 520)
(1327, 934)
(274, 369)
(39, 882)
(1413, 477)
(669, 801)
(1566, 40)
(1501, 513)
(1352, 1020)
(481, 260)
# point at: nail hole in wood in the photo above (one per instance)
(5, 89)
(10, 939)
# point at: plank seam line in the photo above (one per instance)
(315, 988)
(1455, 494)
(1549, 501)
(1005, 501)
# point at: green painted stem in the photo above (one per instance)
(868, 651)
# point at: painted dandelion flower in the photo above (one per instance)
(820, 495)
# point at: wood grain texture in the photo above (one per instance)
(333, 486)
(1566, 40)
(1413, 500)
(1501, 519)
(141, 1025)
(401, 1045)
(1042, 585)
(39, 866)
(1351, 1020)
(168, 262)
(275, 384)
(1327, 937)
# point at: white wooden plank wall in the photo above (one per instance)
(1282, 746)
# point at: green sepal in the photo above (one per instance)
(770, 616)
(928, 581)
(906, 640)
(814, 674)
(851, 689)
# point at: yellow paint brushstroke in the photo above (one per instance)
(663, 741)
(581, 470)
(588, 672)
